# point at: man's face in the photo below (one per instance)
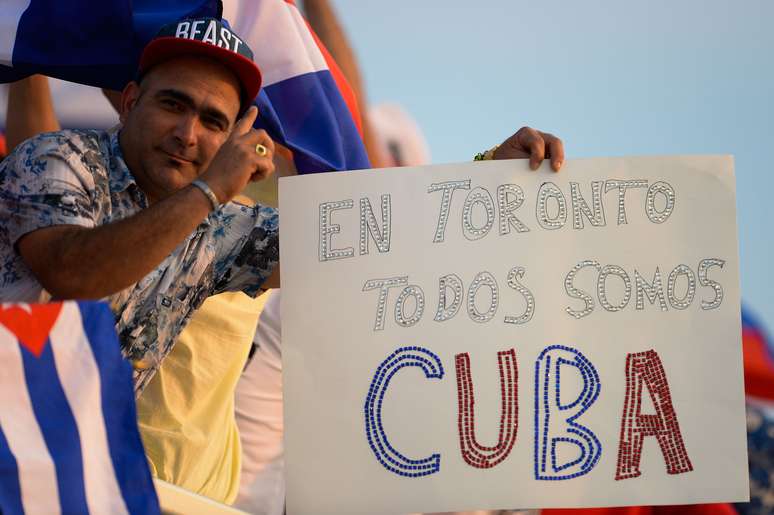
(175, 122)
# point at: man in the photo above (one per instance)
(139, 215)
(117, 215)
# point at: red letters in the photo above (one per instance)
(473, 453)
(645, 369)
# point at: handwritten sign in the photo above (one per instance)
(482, 336)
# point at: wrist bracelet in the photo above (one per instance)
(208, 192)
(487, 155)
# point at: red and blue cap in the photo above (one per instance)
(207, 37)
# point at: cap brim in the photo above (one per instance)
(166, 48)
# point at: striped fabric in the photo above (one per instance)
(68, 430)
(305, 105)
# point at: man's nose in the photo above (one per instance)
(185, 130)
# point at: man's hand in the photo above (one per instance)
(237, 162)
(532, 144)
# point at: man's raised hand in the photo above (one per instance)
(533, 144)
(237, 162)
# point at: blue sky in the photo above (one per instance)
(611, 78)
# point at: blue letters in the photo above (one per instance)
(555, 424)
(391, 459)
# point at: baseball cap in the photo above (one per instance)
(205, 37)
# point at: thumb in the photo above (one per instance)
(244, 124)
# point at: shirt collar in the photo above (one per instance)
(120, 176)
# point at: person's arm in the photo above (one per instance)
(30, 110)
(73, 262)
(323, 20)
(86, 263)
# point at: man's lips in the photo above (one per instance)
(177, 158)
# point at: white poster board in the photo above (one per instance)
(482, 336)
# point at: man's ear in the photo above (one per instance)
(129, 97)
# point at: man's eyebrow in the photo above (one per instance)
(207, 111)
(177, 95)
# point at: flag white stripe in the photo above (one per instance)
(272, 25)
(79, 375)
(10, 13)
(37, 475)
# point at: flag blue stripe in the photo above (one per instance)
(750, 321)
(76, 43)
(118, 409)
(58, 426)
(307, 114)
(10, 490)
(150, 15)
(93, 43)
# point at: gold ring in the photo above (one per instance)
(261, 150)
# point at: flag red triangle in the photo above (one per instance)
(31, 328)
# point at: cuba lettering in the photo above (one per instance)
(645, 369)
(556, 423)
(564, 447)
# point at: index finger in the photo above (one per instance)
(244, 124)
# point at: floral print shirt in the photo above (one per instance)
(79, 177)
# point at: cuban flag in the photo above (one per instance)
(305, 104)
(69, 441)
